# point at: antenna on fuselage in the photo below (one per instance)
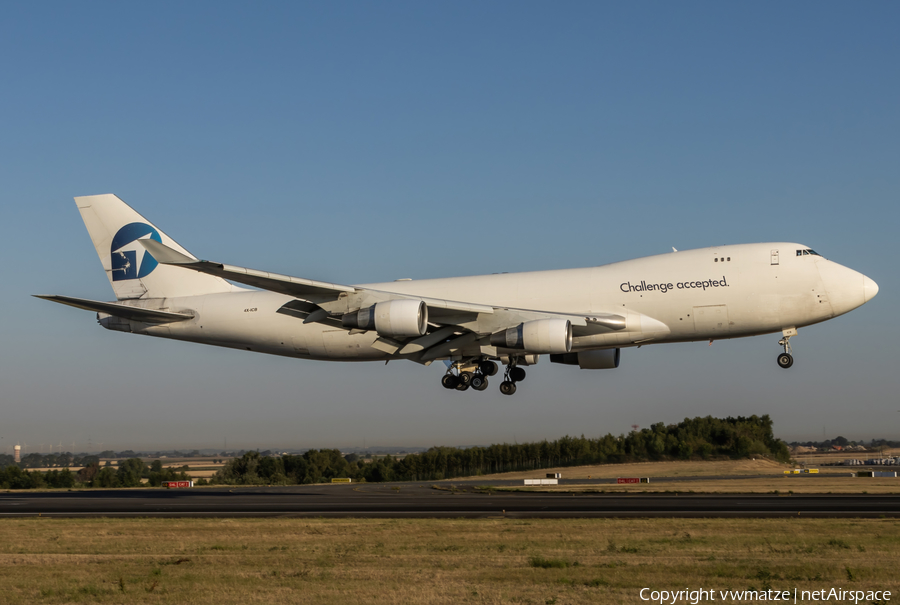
(673, 249)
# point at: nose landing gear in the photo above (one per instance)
(786, 360)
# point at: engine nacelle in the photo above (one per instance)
(111, 322)
(392, 318)
(521, 360)
(602, 359)
(538, 336)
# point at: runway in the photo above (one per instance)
(411, 500)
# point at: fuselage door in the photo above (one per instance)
(711, 320)
(774, 257)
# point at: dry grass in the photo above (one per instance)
(209, 561)
(200, 473)
(197, 467)
(675, 468)
(836, 480)
(834, 457)
(775, 484)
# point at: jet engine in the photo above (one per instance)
(111, 322)
(392, 318)
(602, 359)
(538, 336)
(520, 360)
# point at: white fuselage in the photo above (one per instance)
(710, 293)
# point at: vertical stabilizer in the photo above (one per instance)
(115, 229)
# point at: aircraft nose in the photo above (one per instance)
(847, 289)
(870, 288)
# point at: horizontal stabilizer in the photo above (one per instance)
(119, 310)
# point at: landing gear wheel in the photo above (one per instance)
(517, 374)
(507, 387)
(465, 378)
(449, 381)
(785, 360)
(462, 387)
(488, 368)
(479, 382)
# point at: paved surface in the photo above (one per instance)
(421, 500)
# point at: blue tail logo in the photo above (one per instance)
(129, 258)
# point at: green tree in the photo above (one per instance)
(106, 477)
(86, 475)
(130, 472)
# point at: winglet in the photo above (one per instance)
(164, 254)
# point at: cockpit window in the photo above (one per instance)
(807, 252)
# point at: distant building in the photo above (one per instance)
(17, 454)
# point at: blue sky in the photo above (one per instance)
(360, 142)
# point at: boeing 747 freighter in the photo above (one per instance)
(582, 317)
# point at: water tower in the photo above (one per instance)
(17, 453)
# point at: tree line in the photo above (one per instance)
(705, 438)
(61, 460)
(698, 438)
(129, 473)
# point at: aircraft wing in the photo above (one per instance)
(306, 289)
(119, 310)
(453, 324)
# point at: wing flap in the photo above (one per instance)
(452, 306)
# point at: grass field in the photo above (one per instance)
(813, 458)
(831, 480)
(778, 484)
(669, 468)
(225, 561)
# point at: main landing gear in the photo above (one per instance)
(475, 374)
(785, 360)
(512, 375)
